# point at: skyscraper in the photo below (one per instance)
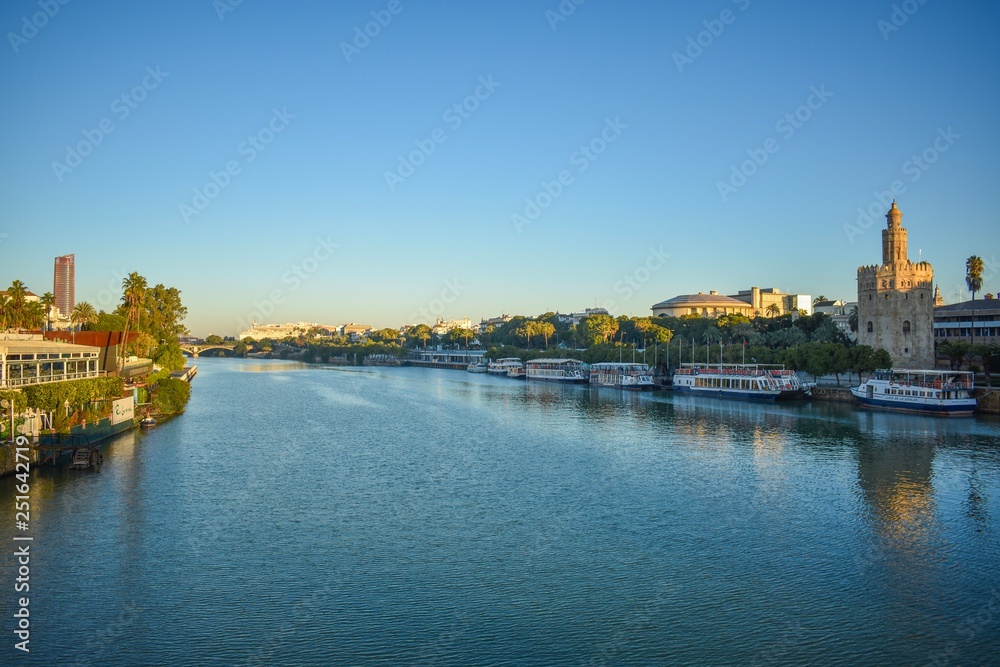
(64, 284)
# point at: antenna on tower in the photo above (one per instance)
(920, 255)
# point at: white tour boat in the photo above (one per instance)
(517, 373)
(930, 392)
(622, 375)
(477, 366)
(754, 382)
(556, 370)
(501, 366)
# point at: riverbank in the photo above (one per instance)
(989, 401)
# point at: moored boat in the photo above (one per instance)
(622, 375)
(925, 391)
(752, 382)
(477, 366)
(517, 373)
(502, 366)
(556, 370)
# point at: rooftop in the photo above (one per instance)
(701, 299)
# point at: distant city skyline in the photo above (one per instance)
(387, 162)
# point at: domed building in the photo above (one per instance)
(712, 304)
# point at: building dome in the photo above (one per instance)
(712, 304)
(894, 216)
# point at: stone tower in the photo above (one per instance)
(896, 301)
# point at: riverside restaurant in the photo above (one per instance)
(27, 362)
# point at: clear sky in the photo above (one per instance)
(667, 101)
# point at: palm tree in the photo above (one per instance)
(4, 312)
(83, 314)
(48, 301)
(819, 299)
(17, 294)
(773, 310)
(852, 319)
(34, 315)
(546, 329)
(974, 279)
(134, 287)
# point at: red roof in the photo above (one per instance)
(93, 338)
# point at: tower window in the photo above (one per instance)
(869, 297)
(886, 297)
(906, 327)
(871, 327)
(921, 295)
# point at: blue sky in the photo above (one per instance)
(311, 228)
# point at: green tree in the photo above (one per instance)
(34, 315)
(528, 329)
(169, 356)
(974, 280)
(170, 396)
(955, 351)
(17, 295)
(134, 287)
(212, 339)
(142, 344)
(83, 314)
(420, 332)
(773, 310)
(461, 333)
(852, 319)
(545, 330)
(989, 353)
(601, 327)
(5, 312)
(48, 301)
(108, 322)
(387, 335)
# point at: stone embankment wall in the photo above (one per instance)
(989, 401)
(832, 393)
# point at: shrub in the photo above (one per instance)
(170, 396)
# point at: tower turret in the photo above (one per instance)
(894, 237)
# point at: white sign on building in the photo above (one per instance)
(122, 409)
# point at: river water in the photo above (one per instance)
(310, 516)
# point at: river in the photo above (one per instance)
(303, 515)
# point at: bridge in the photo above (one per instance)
(194, 350)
